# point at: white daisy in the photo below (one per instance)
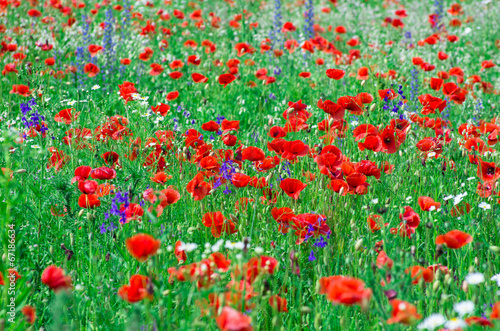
(455, 324)
(496, 278)
(432, 322)
(464, 307)
(484, 206)
(96, 87)
(474, 278)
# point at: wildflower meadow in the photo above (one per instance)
(249, 165)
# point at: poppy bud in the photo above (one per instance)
(495, 249)
(372, 107)
(71, 239)
(448, 279)
(435, 286)
(317, 321)
(128, 178)
(21, 171)
(465, 286)
(270, 122)
(51, 249)
(359, 245)
(80, 214)
(341, 192)
(476, 261)
(413, 250)
(276, 321)
(241, 228)
(363, 82)
(305, 310)
(90, 217)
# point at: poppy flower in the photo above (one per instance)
(419, 272)
(198, 78)
(233, 320)
(454, 239)
(180, 254)
(428, 204)
(55, 278)
(137, 290)
(175, 74)
(91, 69)
(29, 313)
(103, 173)
(90, 201)
(156, 69)
(94, 49)
(162, 109)
(81, 173)
(218, 223)
(487, 64)
(125, 61)
(331, 108)
(87, 186)
(226, 79)
(142, 246)
(363, 73)
(240, 180)
(66, 116)
(403, 312)
(488, 171)
(292, 187)
(411, 218)
(252, 154)
(288, 27)
(50, 61)
(198, 187)
(21, 90)
(278, 303)
(345, 290)
(34, 13)
(172, 95)
(495, 311)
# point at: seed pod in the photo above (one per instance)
(465, 286)
(495, 249)
(317, 321)
(359, 245)
(305, 310)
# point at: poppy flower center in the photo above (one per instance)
(490, 171)
(387, 140)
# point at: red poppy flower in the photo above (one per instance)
(91, 69)
(29, 313)
(240, 180)
(103, 173)
(227, 125)
(278, 303)
(345, 290)
(172, 95)
(331, 108)
(198, 78)
(363, 73)
(428, 204)
(198, 187)
(226, 79)
(454, 239)
(175, 74)
(488, 171)
(137, 290)
(94, 49)
(417, 272)
(162, 109)
(66, 116)
(55, 278)
(218, 223)
(142, 246)
(411, 218)
(292, 187)
(156, 69)
(403, 312)
(180, 254)
(89, 201)
(252, 153)
(233, 320)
